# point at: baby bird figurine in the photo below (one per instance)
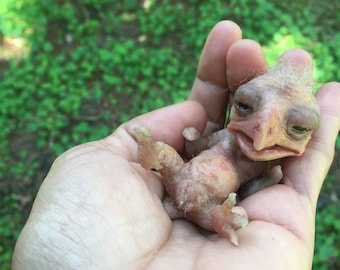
(272, 117)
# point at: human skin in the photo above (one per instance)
(98, 209)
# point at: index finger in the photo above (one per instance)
(210, 86)
(225, 63)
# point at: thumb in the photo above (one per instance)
(313, 166)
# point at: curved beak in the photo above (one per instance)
(264, 138)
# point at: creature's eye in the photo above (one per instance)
(243, 107)
(301, 121)
(299, 132)
(246, 100)
(299, 129)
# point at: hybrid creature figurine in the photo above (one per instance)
(272, 116)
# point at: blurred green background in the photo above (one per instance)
(71, 71)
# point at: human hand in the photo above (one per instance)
(98, 209)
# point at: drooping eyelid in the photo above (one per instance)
(248, 94)
(304, 116)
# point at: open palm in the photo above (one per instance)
(99, 209)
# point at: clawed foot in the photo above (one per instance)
(227, 218)
(158, 156)
(148, 149)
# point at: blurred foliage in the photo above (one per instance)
(93, 64)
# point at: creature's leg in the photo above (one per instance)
(202, 185)
(227, 218)
(273, 177)
(195, 143)
(195, 187)
(157, 155)
(171, 209)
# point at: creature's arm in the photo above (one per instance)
(195, 143)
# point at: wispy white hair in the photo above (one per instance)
(299, 76)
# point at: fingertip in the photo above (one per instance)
(227, 24)
(298, 58)
(212, 64)
(245, 60)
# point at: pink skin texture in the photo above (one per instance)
(272, 117)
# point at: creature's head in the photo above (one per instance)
(274, 115)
